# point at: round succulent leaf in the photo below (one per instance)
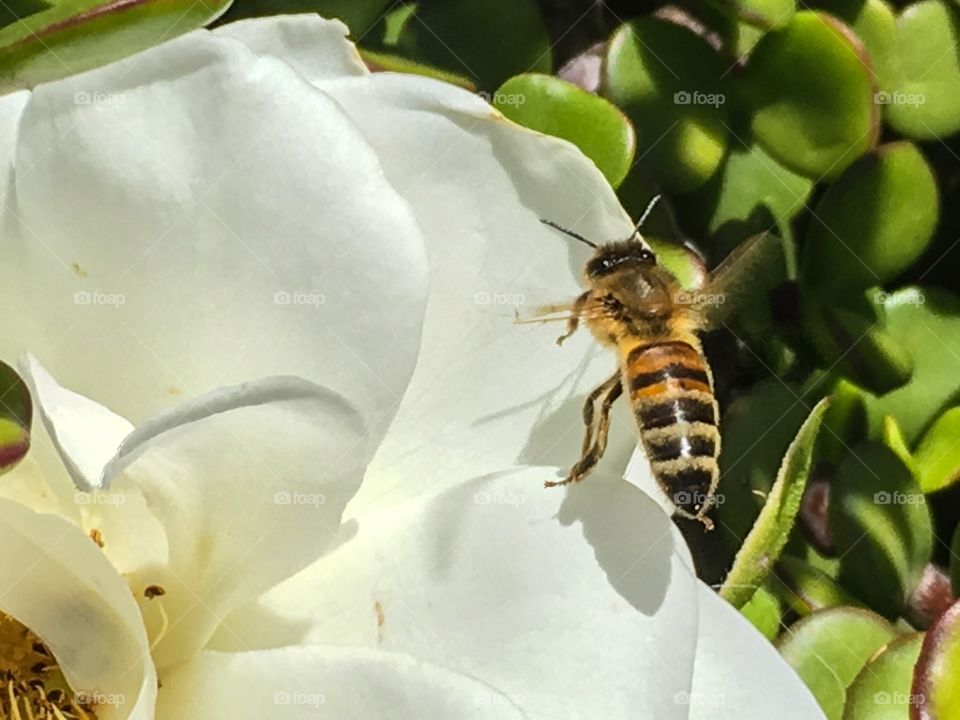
(69, 37)
(764, 14)
(874, 23)
(805, 589)
(845, 423)
(769, 535)
(682, 262)
(487, 41)
(922, 100)
(669, 81)
(937, 457)
(881, 690)
(855, 342)
(829, 648)
(809, 90)
(559, 108)
(893, 439)
(764, 611)
(927, 321)
(873, 222)
(388, 62)
(936, 680)
(751, 193)
(881, 527)
(358, 15)
(16, 414)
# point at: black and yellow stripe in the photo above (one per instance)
(671, 391)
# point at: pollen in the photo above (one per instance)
(31, 683)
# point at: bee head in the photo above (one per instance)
(619, 257)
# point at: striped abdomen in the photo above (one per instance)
(671, 391)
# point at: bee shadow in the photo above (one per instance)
(637, 557)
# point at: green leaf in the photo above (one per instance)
(556, 107)
(855, 342)
(358, 15)
(669, 82)
(749, 459)
(485, 40)
(810, 95)
(381, 61)
(923, 101)
(70, 37)
(750, 194)
(763, 610)
(882, 689)
(881, 527)
(927, 321)
(845, 423)
(806, 589)
(685, 265)
(893, 439)
(764, 14)
(768, 536)
(937, 457)
(936, 682)
(829, 648)
(874, 23)
(873, 223)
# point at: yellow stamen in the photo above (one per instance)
(34, 684)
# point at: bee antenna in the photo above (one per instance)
(571, 233)
(646, 213)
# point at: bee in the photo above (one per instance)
(638, 308)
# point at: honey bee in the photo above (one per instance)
(638, 308)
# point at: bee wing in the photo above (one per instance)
(743, 278)
(559, 312)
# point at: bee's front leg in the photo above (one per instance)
(594, 443)
(574, 321)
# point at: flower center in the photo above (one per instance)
(31, 684)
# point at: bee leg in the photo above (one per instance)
(594, 444)
(574, 321)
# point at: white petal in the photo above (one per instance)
(573, 604)
(11, 107)
(248, 484)
(739, 674)
(317, 48)
(217, 218)
(56, 582)
(85, 433)
(317, 682)
(487, 393)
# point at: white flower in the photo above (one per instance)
(325, 264)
